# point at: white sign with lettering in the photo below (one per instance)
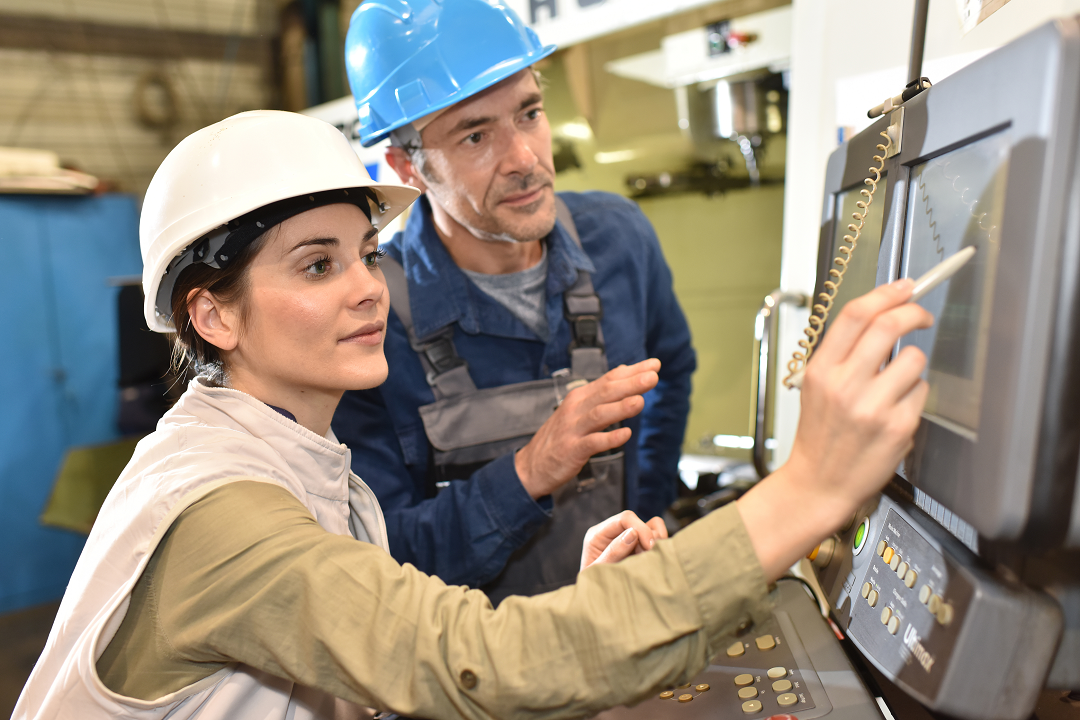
(566, 22)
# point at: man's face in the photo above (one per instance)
(487, 162)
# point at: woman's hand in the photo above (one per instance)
(620, 536)
(856, 424)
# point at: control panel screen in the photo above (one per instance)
(956, 200)
(861, 274)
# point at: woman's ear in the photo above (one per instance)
(214, 322)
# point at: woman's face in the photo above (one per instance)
(316, 309)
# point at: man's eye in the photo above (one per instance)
(373, 257)
(474, 138)
(534, 113)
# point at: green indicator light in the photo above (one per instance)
(860, 535)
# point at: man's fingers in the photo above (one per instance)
(857, 315)
(602, 441)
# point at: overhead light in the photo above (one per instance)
(742, 442)
(578, 130)
(615, 156)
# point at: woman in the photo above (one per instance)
(224, 579)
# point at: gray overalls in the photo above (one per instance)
(468, 428)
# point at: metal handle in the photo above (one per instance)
(764, 353)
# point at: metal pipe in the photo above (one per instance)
(918, 40)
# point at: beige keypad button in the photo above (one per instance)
(781, 686)
(777, 672)
(886, 613)
(887, 556)
(736, 649)
(787, 699)
(703, 687)
(751, 706)
(686, 698)
(881, 547)
(910, 578)
(765, 642)
(934, 604)
(667, 695)
(744, 679)
(945, 613)
(894, 625)
(924, 594)
(901, 569)
(866, 588)
(872, 598)
(895, 562)
(747, 693)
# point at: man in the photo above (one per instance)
(502, 313)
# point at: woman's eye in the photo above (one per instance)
(373, 257)
(319, 267)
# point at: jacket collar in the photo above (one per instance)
(440, 294)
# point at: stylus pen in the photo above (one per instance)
(934, 277)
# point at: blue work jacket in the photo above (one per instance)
(466, 533)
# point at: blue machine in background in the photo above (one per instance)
(58, 368)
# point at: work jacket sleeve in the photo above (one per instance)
(663, 421)
(467, 532)
(278, 593)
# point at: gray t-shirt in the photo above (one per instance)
(522, 293)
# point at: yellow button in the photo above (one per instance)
(751, 706)
(703, 687)
(667, 695)
(924, 594)
(894, 625)
(910, 578)
(765, 642)
(747, 693)
(881, 547)
(744, 679)
(895, 562)
(781, 686)
(902, 569)
(866, 587)
(886, 613)
(468, 679)
(787, 699)
(735, 649)
(872, 598)
(934, 604)
(686, 698)
(945, 613)
(887, 556)
(777, 672)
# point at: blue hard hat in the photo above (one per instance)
(409, 58)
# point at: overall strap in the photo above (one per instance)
(447, 372)
(582, 308)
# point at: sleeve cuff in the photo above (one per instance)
(723, 572)
(507, 502)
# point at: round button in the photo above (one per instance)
(866, 588)
(894, 625)
(777, 672)
(686, 698)
(886, 613)
(747, 693)
(783, 716)
(765, 642)
(910, 578)
(934, 604)
(468, 679)
(881, 547)
(859, 541)
(744, 679)
(787, 699)
(945, 613)
(872, 598)
(924, 594)
(895, 562)
(703, 687)
(901, 569)
(667, 695)
(781, 686)
(735, 649)
(887, 556)
(751, 706)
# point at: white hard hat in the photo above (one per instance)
(236, 166)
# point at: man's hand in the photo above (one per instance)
(856, 424)
(619, 537)
(564, 443)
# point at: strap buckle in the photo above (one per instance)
(586, 330)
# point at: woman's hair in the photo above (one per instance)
(229, 286)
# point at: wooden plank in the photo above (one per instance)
(27, 32)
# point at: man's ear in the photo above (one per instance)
(216, 323)
(400, 162)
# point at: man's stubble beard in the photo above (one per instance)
(494, 232)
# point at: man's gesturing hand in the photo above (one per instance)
(564, 443)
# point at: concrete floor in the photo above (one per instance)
(22, 637)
